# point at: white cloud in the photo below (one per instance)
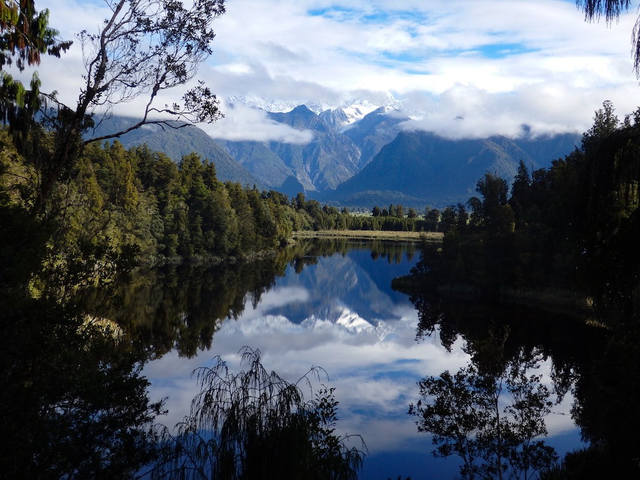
(464, 112)
(373, 359)
(531, 61)
(246, 123)
(375, 377)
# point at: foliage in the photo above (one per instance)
(611, 10)
(568, 226)
(25, 34)
(73, 398)
(575, 226)
(142, 49)
(466, 416)
(254, 424)
(146, 47)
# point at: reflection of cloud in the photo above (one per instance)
(559, 421)
(374, 368)
(375, 375)
(374, 363)
(275, 298)
(386, 434)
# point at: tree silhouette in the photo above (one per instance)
(256, 425)
(469, 414)
(611, 10)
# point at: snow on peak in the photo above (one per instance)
(352, 321)
(340, 117)
(357, 111)
(271, 105)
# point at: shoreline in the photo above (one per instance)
(394, 236)
(209, 260)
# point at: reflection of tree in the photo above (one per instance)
(392, 251)
(567, 341)
(491, 420)
(181, 306)
(73, 401)
(505, 344)
(607, 409)
(599, 366)
(255, 425)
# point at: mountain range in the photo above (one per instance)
(421, 168)
(357, 157)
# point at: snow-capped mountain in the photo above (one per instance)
(273, 105)
(358, 110)
(350, 113)
(340, 115)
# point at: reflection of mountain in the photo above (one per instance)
(384, 269)
(355, 282)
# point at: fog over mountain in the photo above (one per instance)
(373, 161)
(330, 158)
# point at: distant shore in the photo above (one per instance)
(372, 235)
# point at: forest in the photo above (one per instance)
(568, 232)
(141, 200)
(569, 227)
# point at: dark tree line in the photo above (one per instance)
(598, 365)
(572, 225)
(433, 220)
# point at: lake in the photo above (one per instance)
(331, 304)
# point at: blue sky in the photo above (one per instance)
(497, 63)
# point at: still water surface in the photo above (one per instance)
(338, 311)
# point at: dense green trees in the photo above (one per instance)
(142, 49)
(118, 199)
(168, 209)
(570, 226)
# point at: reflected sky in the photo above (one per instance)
(342, 315)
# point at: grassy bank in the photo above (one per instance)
(372, 235)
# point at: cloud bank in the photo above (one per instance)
(498, 64)
(241, 122)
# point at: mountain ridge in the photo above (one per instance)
(178, 142)
(433, 170)
(370, 161)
